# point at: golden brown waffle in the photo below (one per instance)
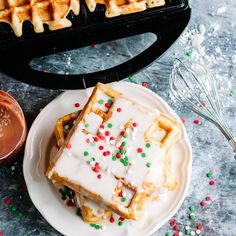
(91, 211)
(38, 12)
(122, 7)
(99, 147)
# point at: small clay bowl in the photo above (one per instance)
(12, 128)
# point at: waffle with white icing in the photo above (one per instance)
(90, 210)
(38, 12)
(122, 7)
(116, 146)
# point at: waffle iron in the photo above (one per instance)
(166, 22)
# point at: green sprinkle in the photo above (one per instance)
(189, 53)
(13, 209)
(86, 153)
(93, 159)
(78, 212)
(86, 125)
(192, 208)
(125, 136)
(232, 93)
(132, 79)
(92, 225)
(114, 158)
(122, 151)
(123, 143)
(120, 223)
(188, 232)
(126, 163)
(97, 227)
(149, 164)
(109, 125)
(63, 196)
(122, 160)
(66, 191)
(143, 154)
(126, 158)
(20, 214)
(209, 174)
(192, 216)
(123, 199)
(148, 145)
(167, 234)
(100, 101)
(110, 101)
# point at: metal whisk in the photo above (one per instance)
(195, 87)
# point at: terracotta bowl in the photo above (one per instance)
(12, 128)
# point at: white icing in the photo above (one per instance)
(101, 96)
(159, 134)
(77, 167)
(94, 121)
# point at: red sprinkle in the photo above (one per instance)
(8, 201)
(176, 234)
(208, 198)
(121, 147)
(108, 153)
(145, 84)
(202, 203)
(87, 140)
(96, 169)
(68, 145)
(196, 122)
(172, 223)
(120, 194)
(139, 150)
(200, 227)
(121, 219)
(112, 220)
(70, 203)
(99, 176)
(101, 127)
(94, 45)
(77, 104)
(104, 154)
(96, 164)
(176, 227)
(107, 105)
(112, 138)
(135, 124)
(96, 139)
(118, 109)
(118, 155)
(100, 147)
(212, 182)
(122, 133)
(107, 133)
(183, 121)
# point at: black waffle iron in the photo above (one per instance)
(167, 22)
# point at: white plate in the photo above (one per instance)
(40, 146)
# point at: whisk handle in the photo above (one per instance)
(232, 143)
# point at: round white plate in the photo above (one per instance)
(40, 146)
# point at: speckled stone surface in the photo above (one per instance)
(210, 150)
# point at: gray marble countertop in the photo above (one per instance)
(211, 151)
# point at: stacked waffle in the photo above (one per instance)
(54, 12)
(114, 155)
